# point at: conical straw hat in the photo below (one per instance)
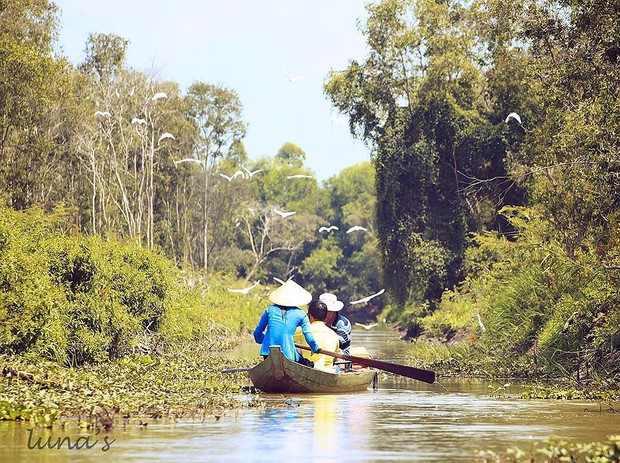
(290, 294)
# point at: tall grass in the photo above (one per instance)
(542, 310)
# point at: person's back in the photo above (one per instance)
(325, 337)
(342, 328)
(281, 319)
(336, 321)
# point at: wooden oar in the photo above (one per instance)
(427, 376)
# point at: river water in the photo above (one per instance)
(404, 420)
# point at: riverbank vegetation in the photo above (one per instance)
(79, 300)
(494, 129)
(558, 451)
(490, 207)
(103, 329)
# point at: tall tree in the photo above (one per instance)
(32, 82)
(418, 101)
(133, 129)
(218, 115)
(572, 146)
(291, 154)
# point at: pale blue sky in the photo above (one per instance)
(245, 45)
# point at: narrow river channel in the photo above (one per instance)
(403, 420)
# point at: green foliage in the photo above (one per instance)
(571, 151)
(291, 154)
(80, 300)
(212, 316)
(539, 307)
(105, 54)
(296, 194)
(558, 451)
(415, 101)
(342, 263)
(454, 315)
(32, 83)
(182, 383)
(321, 268)
(217, 111)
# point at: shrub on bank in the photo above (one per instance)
(76, 299)
(550, 313)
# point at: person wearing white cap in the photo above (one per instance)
(336, 321)
(282, 319)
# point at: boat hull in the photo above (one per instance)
(277, 374)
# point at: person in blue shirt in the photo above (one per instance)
(336, 321)
(282, 319)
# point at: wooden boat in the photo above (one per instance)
(278, 374)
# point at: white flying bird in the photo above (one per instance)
(103, 113)
(251, 173)
(369, 326)
(292, 79)
(328, 229)
(366, 299)
(514, 116)
(356, 228)
(198, 161)
(137, 120)
(382, 117)
(244, 290)
(283, 214)
(235, 175)
(159, 95)
(166, 135)
(300, 176)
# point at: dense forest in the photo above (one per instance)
(134, 158)
(490, 204)
(494, 131)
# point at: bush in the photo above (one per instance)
(76, 299)
(540, 306)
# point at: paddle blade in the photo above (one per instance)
(426, 376)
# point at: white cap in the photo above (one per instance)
(332, 302)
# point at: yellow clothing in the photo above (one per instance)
(326, 338)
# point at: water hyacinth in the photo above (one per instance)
(174, 385)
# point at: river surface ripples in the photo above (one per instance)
(404, 420)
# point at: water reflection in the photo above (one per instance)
(404, 420)
(280, 428)
(325, 436)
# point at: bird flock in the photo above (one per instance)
(137, 121)
(328, 229)
(249, 174)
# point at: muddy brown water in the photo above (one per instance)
(404, 420)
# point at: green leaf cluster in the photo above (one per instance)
(77, 299)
